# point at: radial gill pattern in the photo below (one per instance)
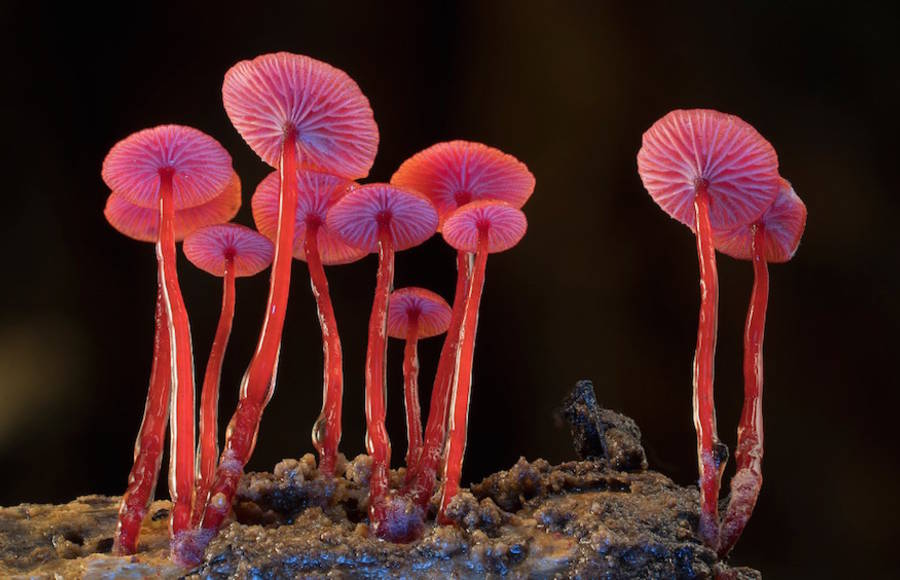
(457, 172)
(432, 312)
(784, 222)
(142, 223)
(505, 226)
(208, 248)
(200, 166)
(409, 215)
(273, 95)
(317, 192)
(687, 148)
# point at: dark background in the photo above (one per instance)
(604, 286)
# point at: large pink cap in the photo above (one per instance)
(209, 248)
(689, 148)
(142, 223)
(456, 172)
(432, 313)
(200, 166)
(505, 226)
(784, 222)
(273, 95)
(410, 217)
(317, 192)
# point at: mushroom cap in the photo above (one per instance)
(201, 167)
(506, 226)
(457, 172)
(687, 147)
(356, 216)
(317, 193)
(208, 248)
(433, 312)
(142, 223)
(784, 222)
(334, 125)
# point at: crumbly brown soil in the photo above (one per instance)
(606, 517)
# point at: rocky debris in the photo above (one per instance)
(599, 433)
(602, 517)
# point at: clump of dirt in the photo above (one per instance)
(605, 516)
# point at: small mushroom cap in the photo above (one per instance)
(784, 223)
(317, 193)
(142, 223)
(457, 172)
(505, 224)
(201, 167)
(687, 147)
(333, 122)
(356, 216)
(209, 247)
(433, 312)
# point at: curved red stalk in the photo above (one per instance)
(149, 445)
(209, 396)
(182, 436)
(747, 481)
(463, 379)
(326, 433)
(378, 445)
(411, 390)
(711, 455)
(259, 380)
(421, 478)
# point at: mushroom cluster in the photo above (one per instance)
(717, 175)
(313, 125)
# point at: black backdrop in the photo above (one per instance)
(603, 287)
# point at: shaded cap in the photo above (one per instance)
(505, 226)
(456, 172)
(208, 248)
(317, 192)
(273, 94)
(142, 223)
(431, 311)
(410, 216)
(689, 147)
(784, 222)
(200, 166)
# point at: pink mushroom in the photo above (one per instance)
(229, 251)
(773, 237)
(483, 227)
(317, 245)
(709, 171)
(291, 110)
(142, 224)
(172, 167)
(453, 174)
(383, 218)
(415, 313)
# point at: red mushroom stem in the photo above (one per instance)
(462, 386)
(209, 396)
(747, 481)
(182, 439)
(378, 445)
(148, 448)
(327, 429)
(421, 478)
(411, 390)
(711, 454)
(259, 380)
